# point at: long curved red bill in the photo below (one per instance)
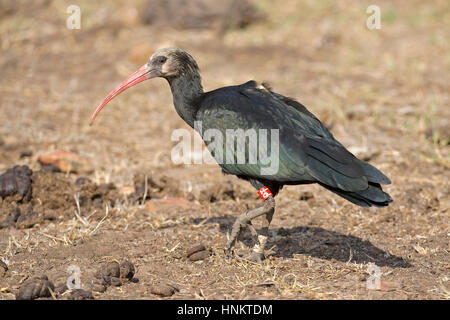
(143, 73)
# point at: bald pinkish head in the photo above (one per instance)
(168, 63)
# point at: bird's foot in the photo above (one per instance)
(229, 253)
(255, 257)
(243, 222)
(238, 226)
(229, 249)
(257, 254)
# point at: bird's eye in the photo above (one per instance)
(161, 59)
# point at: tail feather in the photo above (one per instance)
(372, 196)
(373, 174)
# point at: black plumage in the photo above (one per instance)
(307, 151)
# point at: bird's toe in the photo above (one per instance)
(254, 257)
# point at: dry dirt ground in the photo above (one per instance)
(384, 94)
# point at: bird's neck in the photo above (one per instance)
(186, 90)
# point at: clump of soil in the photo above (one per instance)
(163, 289)
(34, 288)
(113, 274)
(80, 294)
(150, 187)
(55, 192)
(199, 252)
(113, 269)
(15, 184)
(158, 187)
(28, 198)
(213, 192)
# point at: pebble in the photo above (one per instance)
(66, 161)
(80, 294)
(163, 289)
(197, 253)
(34, 288)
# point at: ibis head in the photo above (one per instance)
(167, 63)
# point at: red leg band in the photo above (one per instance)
(264, 193)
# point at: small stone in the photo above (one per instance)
(34, 288)
(80, 294)
(201, 255)
(197, 253)
(11, 219)
(82, 180)
(65, 161)
(127, 270)
(28, 220)
(116, 282)
(173, 285)
(195, 249)
(98, 287)
(163, 290)
(50, 168)
(59, 290)
(113, 274)
(111, 269)
(26, 154)
(16, 183)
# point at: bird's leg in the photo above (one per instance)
(267, 221)
(244, 220)
(257, 254)
(252, 230)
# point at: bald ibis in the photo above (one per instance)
(307, 151)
